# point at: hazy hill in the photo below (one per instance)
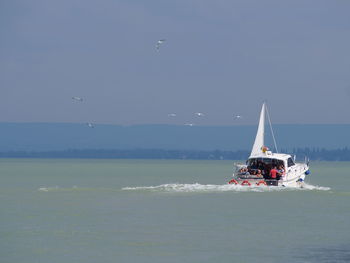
(62, 136)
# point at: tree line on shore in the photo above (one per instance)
(313, 154)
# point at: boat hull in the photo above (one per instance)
(268, 182)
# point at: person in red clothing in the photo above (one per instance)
(273, 173)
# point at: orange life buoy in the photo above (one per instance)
(233, 181)
(261, 182)
(246, 182)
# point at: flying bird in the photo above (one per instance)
(237, 117)
(159, 43)
(172, 115)
(199, 114)
(77, 99)
(189, 124)
(90, 125)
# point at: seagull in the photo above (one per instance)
(199, 114)
(77, 99)
(189, 124)
(172, 115)
(90, 125)
(159, 42)
(237, 117)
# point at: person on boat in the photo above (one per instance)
(258, 173)
(243, 171)
(267, 170)
(273, 173)
(280, 172)
(260, 165)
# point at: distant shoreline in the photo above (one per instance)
(47, 137)
(313, 154)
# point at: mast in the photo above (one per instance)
(259, 139)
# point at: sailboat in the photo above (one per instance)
(265, 167)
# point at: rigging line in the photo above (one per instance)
(273, 135)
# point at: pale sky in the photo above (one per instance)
(221, 58)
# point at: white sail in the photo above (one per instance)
(259, 139)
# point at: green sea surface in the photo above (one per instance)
(58, 210)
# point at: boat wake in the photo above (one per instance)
(194, 188)
(221, 188)
(48, 189)
(67, 189)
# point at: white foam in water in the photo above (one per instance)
(220, 188)
(196, 188)
(316, 187)
(47, 189)
(56, 188)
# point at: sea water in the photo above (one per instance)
(168, 211)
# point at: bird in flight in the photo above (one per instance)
(159, 43)
(77, 99)
(189, 124)
(172, 115)
(237, 117)
(199, 114)
(90, 125)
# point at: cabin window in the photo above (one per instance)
(263, 163)
(290, 162)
